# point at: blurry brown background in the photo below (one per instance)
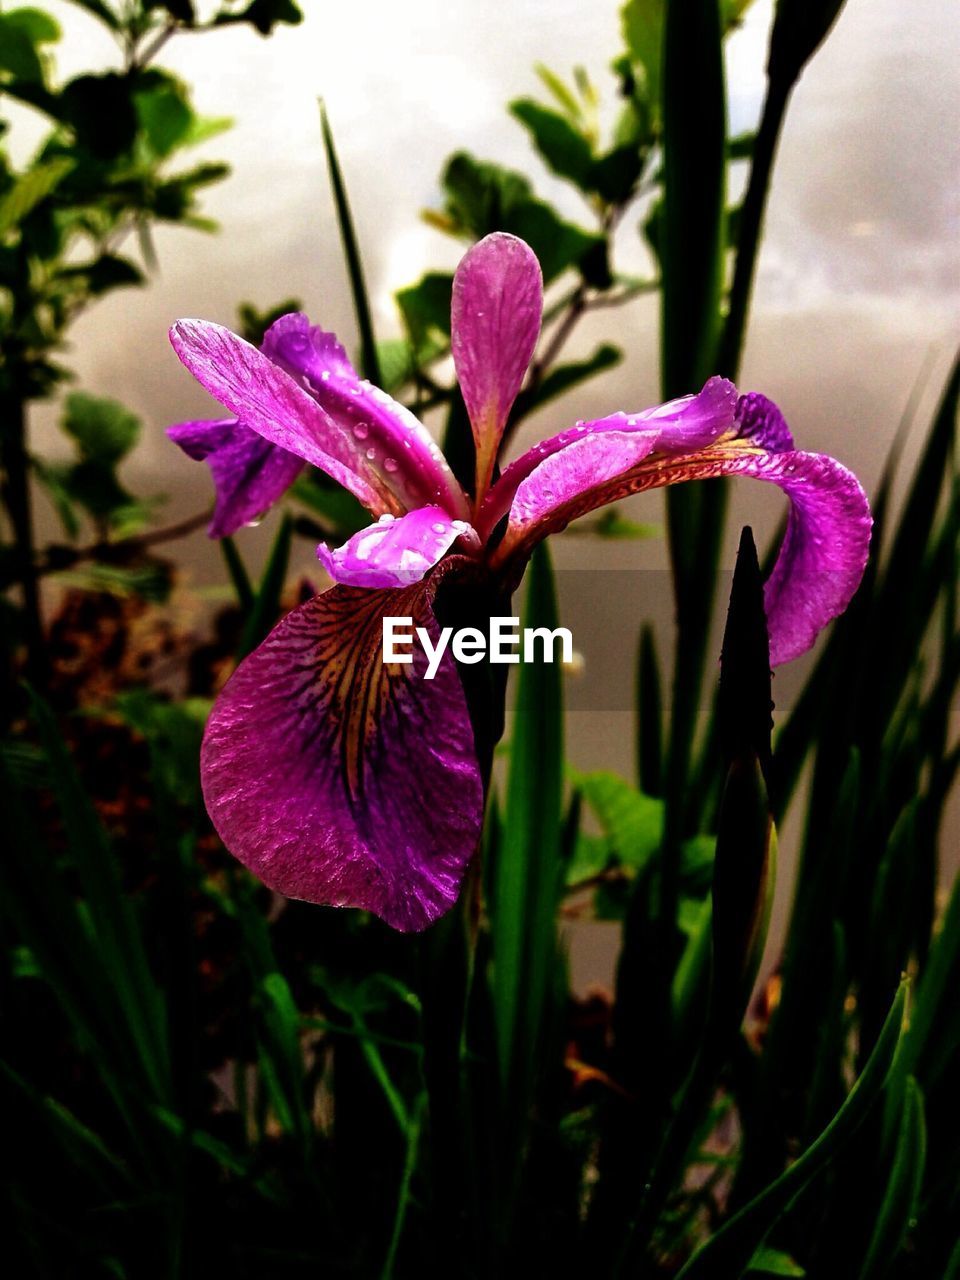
(857, 290)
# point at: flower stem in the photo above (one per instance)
(16, 497)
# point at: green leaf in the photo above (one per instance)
(29, 189)
(104, 430)
(54, 480)
(528, 867)
(17, 53)
(642, 24)
(266, 606)
(164, 114)
(369, 362)
(103, 274)
(339, 512)
(481, 198)
(39, 27)
(263, 15)
(254, 323)
(101, 112)
(425, 308)
(728, 1253)
(774, 1262)
(902, 1195)
(632, 821)
(150, 581)
(563, 147)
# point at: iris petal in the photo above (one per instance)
(282, 407)
(340, 780)
(827, 541)
(495, 323)
(386, 434)
(249, 474)
(687, 423)
(394, 553)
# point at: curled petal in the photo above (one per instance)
(691, 422)
(495, 323)
(342, 781)
(249, 473)
(395, 553)
(824, 552)
(386, 435)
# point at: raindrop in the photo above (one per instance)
(361, 430)
(386, 518)
(389, 464)
(439, 528)
(371, 454)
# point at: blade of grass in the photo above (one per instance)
(369, 360)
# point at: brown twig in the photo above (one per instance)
(59, 557)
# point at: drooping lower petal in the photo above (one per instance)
(338, 779)
(825, 548)
(495, 323)
(249, 473)
(395, 553)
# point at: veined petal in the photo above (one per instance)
(495, 323)
(249, 473)
(275, 403)
(688, 423)
(395, 553)
(339, 780)
(827, 541)
(390, 439)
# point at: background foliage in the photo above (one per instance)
(195, 1076)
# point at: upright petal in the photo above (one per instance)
(338, 779)
(395, 553)
(390, 438)
(825, 548)
(495, 322)
(249, 473)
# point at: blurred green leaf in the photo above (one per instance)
(425, 307)
(481, 198)
(263, 15)
(164, 113)
(104, 430)
(17, 52)
(29, 189)
(642, 23)
(773, 1262)
(100, 109)
(103, 274)
(564, 148)
(151, 581)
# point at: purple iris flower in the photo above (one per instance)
(338, 779)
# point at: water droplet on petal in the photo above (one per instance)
(361, 430)
(371, 454)
(439, 528)
(325, 376)
(389, 464)
(386, 518)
